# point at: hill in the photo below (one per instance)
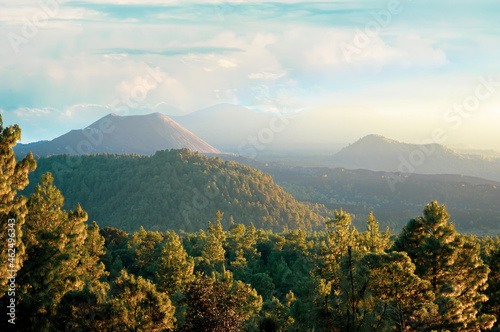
(174, 190)
(140, 134)
(378, 153)
(393, 197)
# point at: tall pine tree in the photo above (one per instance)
(451, 263)
(60, 256)
(13, 177)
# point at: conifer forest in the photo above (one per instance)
(318, 273)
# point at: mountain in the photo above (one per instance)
(378, 153)
(237, 129)
(174, 190)
(140, 134)
(488, 153)
(225, 126)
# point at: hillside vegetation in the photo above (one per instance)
(174, 190)
(59, 273)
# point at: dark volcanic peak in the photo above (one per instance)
(141, 134)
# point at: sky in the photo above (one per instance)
(416, 66)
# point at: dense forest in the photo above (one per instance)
(60, 272)
(174, 190)
(393, 197)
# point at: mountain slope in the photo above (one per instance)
(174, 189)
(141, 134)
(378, 153)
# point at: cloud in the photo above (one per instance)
(169, 51)
(264, 75)
(262, 54)
(226, 63)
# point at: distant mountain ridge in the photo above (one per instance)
(140, 134)
(378, 153)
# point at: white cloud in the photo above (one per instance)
(264, 75)
(226, 63)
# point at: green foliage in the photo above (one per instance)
(81, 310)
(372, 240)
(175, 267)
(13, 177)
(263, 284)
(147, 247)
(219, 304)
(491, 256)
(174, 190)
(451, 263)
(136, 305)
(213, 250)
(432, 278)
(62, 254)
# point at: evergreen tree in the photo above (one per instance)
(372, 240)
(136, 305)
(81, 310)
(275, 316)
(451, 263)
(175, 267)
(90, 267)
(219, 304)
(341, 236)
(213, 250)
(147, 246)
(13, 177)
(54, 242)
(492, 259)
(399, 299)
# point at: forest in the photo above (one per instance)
(64, 272)
(174, 190)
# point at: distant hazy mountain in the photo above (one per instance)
(375, 152)
(225, 126)
(240, 130)
(141, 134)
(493, 154)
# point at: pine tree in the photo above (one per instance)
(492, 258)
(90, 268)
(59, 257)
(13, 177)
(341, 237)
(451, 263)
(399, 299)
(175, 267)
(81, 310)
(147, 246)
(136, 305)
(219, 304)
(213, 250)
(372, 240)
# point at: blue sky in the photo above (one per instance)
(64, 64)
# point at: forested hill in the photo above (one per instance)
(174, 190)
